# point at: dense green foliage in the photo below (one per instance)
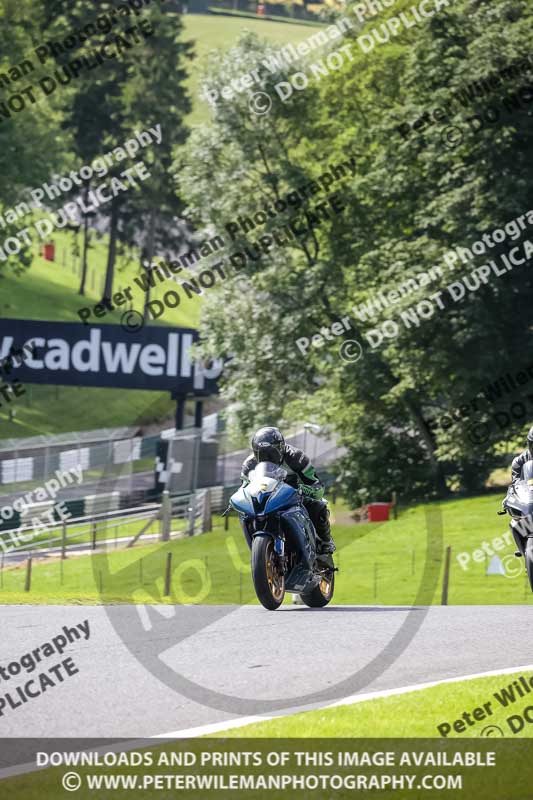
(411, 200)
(140, 85)
(80, 120)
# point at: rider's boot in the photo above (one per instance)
(325, 544)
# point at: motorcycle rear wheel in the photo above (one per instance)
(269, 584)
(529, 561)
(322, 594)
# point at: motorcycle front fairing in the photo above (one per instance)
(522, 499)
(269, 506)
(260, 502)
(519, 499)
(519, 505)
(242, 502)
(301, 532)
(284, 496)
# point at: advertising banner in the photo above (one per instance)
(71, 354)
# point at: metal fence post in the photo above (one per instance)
(168, 571)
(192, 514)
(207, 523)
(27, 585)
(166, 515)
(46, 460)
(64, 541)
(196, 459)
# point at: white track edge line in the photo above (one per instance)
(240, 722)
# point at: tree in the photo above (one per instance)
(155, 91)
(409, 203)
(138, 88)
(30, 144)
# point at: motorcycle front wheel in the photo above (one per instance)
(529, 561)
(321, 595)
(269, 583)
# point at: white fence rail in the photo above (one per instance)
(102, 529)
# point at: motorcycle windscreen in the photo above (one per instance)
(264, 478)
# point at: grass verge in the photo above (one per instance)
(381, 727)
(415, 714)
(397, 562)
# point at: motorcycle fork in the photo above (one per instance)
(520, 541)
(279, 547)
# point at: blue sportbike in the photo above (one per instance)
(282, 539)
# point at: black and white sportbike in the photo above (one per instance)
(518, 504)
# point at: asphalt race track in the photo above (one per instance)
(266, 656)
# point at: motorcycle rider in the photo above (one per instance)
(519, 461)
(516, 472)
(268, 444)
